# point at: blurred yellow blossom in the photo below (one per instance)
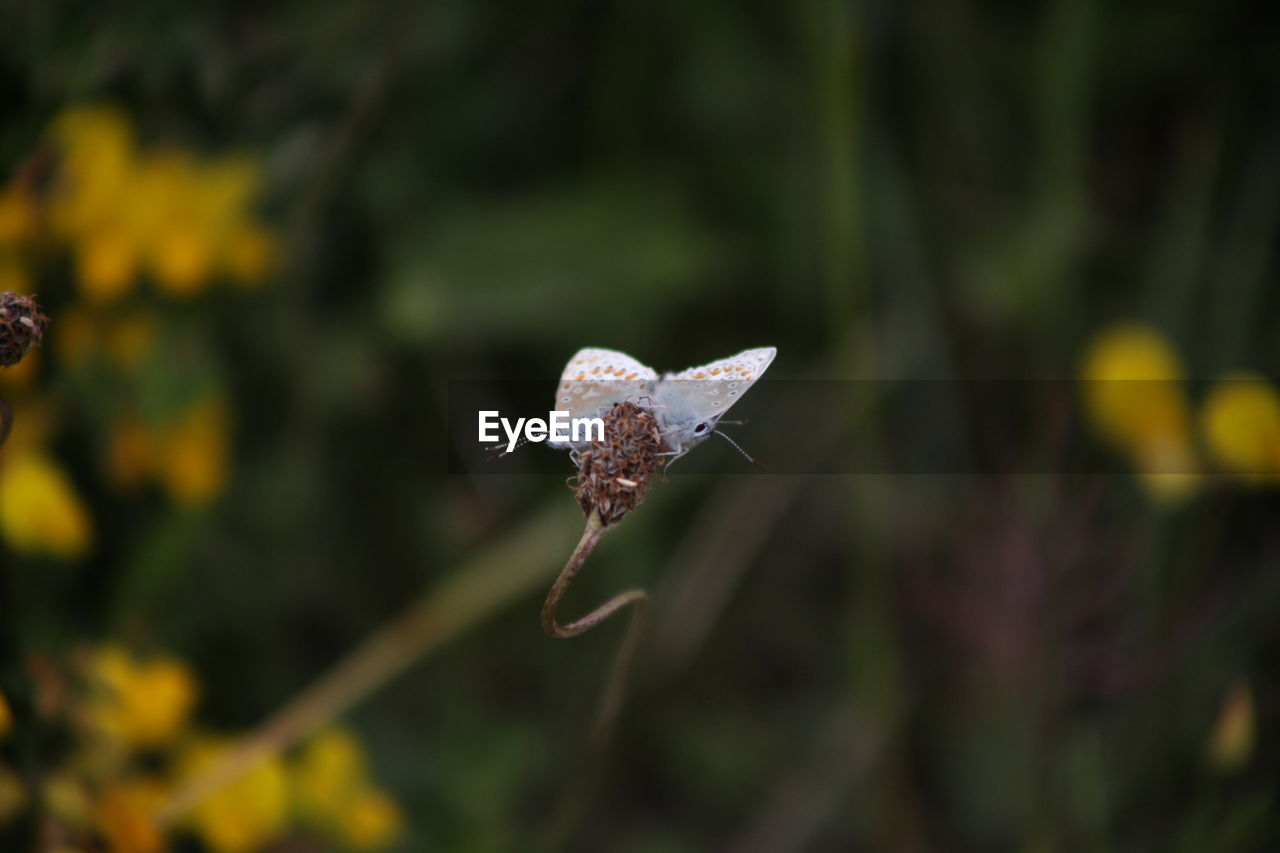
(139, 702)
(371, 821)
(204, 205)
(243, 816)
(183, 258)
(96, 144)
(123, 209)
(106, 262)
(125, 815)
(327, 773)
(333, 792)
(6, 718)
(193, 453)
(188, 456)
(40, 512)
(1231, 740)
(17, 217)
(1134, 396)
(1241, 422)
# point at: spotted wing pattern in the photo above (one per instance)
(595, 379)
(708, 391)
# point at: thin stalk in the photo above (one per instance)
(611, 702)
(575, 802)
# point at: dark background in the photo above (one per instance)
(1026, 657)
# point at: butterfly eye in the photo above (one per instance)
(701, 428)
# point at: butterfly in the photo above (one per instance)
(687, 405)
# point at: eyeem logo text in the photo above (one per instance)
(558, 429)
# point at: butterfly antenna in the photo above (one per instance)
(740, 450)
(496, 456)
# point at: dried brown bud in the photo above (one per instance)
(614, 474)
(21, 327)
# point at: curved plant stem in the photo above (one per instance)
(590, 537)
(611, 702)
(576, 800)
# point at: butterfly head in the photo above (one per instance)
(683, 434)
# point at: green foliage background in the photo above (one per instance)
(936, 189)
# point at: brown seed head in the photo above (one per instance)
(21, 327)
(614, 474)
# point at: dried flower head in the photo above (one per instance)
(21, 327)
(614, 474)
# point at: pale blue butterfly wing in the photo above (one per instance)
(595, 379)
(688, 404)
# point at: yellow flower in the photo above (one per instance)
(1134, 396)
(169, 216)
(121, 209)
(206, 224)
(144, 703)
(194, 452)
(1231, 741)
(182, 258)
(1241, 421)
(371, 821)
(17, 216)
(328, 772)
(125, 814)
(332, 791)
(40, 512)
(243, 816)
(6, 718)
(96, 143)
(106, 262)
